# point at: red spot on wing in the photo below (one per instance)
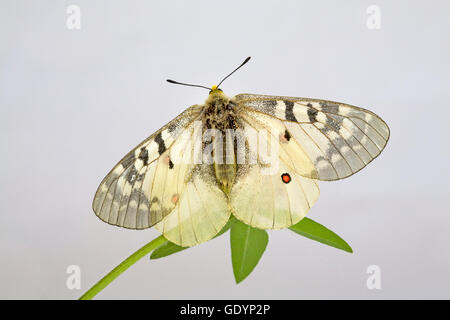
(286, 177)
(166, 159)
(175, 198)
(285, 137)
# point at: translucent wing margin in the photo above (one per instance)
(340, 139)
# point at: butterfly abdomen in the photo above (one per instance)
(225, 175)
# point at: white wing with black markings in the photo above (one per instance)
(338, 138)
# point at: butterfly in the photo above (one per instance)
(168, 180)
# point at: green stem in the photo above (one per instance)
(117, 271)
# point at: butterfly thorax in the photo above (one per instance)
(220, 116)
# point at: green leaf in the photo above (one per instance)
(315, 231)
(168, 248)
(247, 247)
(225, 228)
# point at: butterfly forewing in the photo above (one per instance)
(338, 138)
(135, 194)
(274, 132)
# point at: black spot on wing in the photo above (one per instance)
(312, 114)
(132, 175)
(140, 177)
(170, 164)
(289, 112)
(143, 155)
(269, 106)
(287, 135)
(128, 160)
(154, 200)
(161, 145)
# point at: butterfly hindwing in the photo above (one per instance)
(271, 197)
(202, 211)
(199, 207)
(338, 138)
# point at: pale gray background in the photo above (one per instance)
(72, 103)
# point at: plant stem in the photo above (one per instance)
(124, 265)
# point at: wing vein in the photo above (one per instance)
(337, 149)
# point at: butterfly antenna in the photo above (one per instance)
(187, 84)
(245, 61)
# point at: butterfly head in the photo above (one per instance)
(215, 90)
(216, 94)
